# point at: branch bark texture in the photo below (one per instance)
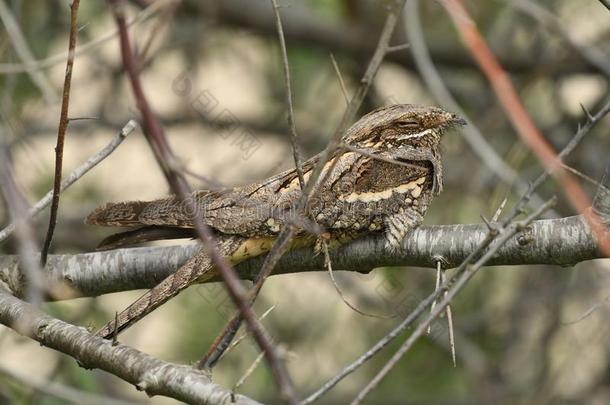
(148, 374)
(563, 242)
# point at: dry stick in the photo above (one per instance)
(61, 131)
(519, 118)
(434, 82)
(167, 161)
(23, 51)
(492, 234)
(340, 78)
(244, 335)
(8, 68)
(75, 175)
(293, 129)
(248, 372)
(223, 340)
(449, 293)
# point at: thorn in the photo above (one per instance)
(499, 210)
(587, 113)
(437, 285)
(490, 226)
(395, 48)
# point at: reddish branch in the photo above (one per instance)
(61, 131)
(167, 161)
(520, 119)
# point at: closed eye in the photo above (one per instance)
(408, 124)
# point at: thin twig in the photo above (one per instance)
(248, 372)
(166, 160)
(293, 129)
(329, 267)
(61, 131)
(340, 78)
(75, 175)
(25, 54)
(244, 335)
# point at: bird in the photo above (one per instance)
(381, 179)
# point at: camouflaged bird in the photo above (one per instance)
(383, 181)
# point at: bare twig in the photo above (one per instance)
(244, 335)
(166, 160)
(248, 372)
(61, 131)
(293, 129)
(75, 175)
(328, 264)
(23, 51)
(340, 78)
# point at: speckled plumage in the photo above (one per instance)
(362, 192)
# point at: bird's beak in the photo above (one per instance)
(456, 120)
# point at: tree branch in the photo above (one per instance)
(148, 374)
(563, 242)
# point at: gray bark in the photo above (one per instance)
(148, 374)
(563, 242)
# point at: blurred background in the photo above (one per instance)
(212, 71)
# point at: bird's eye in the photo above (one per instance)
(410, 124)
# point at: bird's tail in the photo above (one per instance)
(199, 268)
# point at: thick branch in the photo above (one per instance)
(564, 242)
(153, 376)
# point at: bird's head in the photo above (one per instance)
(401, 125)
